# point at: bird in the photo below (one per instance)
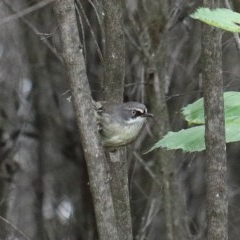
(120, 124)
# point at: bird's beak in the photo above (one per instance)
(148, 115)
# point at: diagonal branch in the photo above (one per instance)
(33, 28)
(93, 151)
(25, 11)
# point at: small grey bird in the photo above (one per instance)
(120, 124)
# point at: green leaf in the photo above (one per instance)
(192, 139)
(232, 132)
(194, 113)
(220, 17)
(189, 140)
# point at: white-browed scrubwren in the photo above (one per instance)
(120, 124)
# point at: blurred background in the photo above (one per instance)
(43, 179)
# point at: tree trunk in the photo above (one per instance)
(217, 198)
(94, 154)
(113, 88)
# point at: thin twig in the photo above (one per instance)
(15, 228)
(25, 11)
(147, 169)
(83, 41)
(92, 32)
(36, 31)
(96, 9)
(152, 212)
(132, 41)
(43, 39)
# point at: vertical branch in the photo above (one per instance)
(113, 87)
(157, 83)
(217, 202)
(114, 56)
(120, 193)
(94, 154)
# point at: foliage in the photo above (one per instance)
(192, 139)
(223, 18)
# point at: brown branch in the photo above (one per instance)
(113, 87)
(94, 154)
(217, 199)
(114, 56)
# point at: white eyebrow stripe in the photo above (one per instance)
(137, 109)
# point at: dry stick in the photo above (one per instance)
(216, 168)
(94, 154)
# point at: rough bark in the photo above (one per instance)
(114, 52)
(217, 199)
(94, 154)
(113, 87)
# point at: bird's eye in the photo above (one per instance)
(134, 112)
